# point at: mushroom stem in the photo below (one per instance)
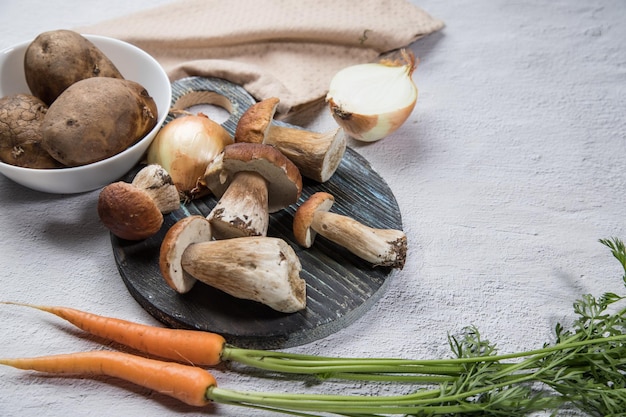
(262, 269)
(157, 182)
(381, 247)
(243, 208)
(317, 155)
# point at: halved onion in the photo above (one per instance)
(371, 101)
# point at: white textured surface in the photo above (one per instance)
(507, 174)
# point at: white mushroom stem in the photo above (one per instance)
(263, 269)
(158, 183)
(243, 208)
(317, 155)
(384, 247)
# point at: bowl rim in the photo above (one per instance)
(160, 120)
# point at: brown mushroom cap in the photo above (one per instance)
(129, 212)
(255, 123)
(303, 217)
(185, 232)
(284, 182)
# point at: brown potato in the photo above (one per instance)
(21, 116)
(96, 118)
(57, 59)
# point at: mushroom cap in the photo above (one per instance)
(129, 212)
(256, 121)
(302, 231)
(185, 232)
(284, 182)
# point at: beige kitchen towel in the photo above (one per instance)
(288, 49)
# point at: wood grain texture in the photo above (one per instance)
(340, 286)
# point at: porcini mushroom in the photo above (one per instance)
(258, 268)
(381, 247)
(134, 211)
(317, 155)
(251, 180)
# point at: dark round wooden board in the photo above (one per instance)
(340, 286)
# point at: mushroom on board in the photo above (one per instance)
(259, 268)
(134, 211)
(381, 247)
(251, 181)
(317, 155)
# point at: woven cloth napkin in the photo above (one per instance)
(273, 48)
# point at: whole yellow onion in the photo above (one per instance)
(184, 148)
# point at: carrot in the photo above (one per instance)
(191, 346)
(186, 383)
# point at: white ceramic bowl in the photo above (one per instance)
(134, 64)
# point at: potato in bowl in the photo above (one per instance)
(135, 65)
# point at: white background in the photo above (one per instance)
(508, 172)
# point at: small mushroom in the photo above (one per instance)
(381, 247)
(317, 155)
(258, 268)
(251, 181)
(134, 211)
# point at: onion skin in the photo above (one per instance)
(370, 128)
(372, 125)
(184, 148)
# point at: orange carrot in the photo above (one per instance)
(186, 383)
(190, 346)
